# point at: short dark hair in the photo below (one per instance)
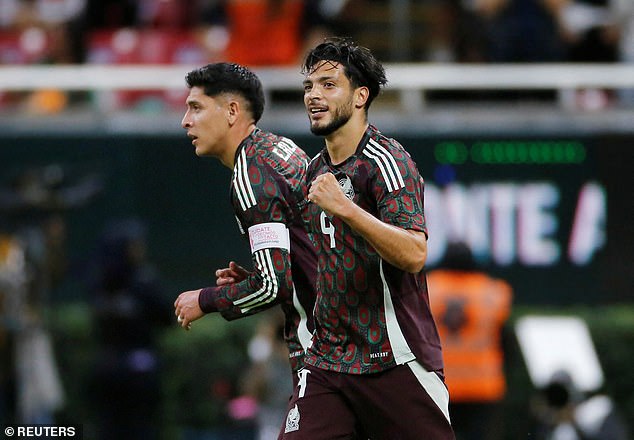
(360, 65)
(218, 78)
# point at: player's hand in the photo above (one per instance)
(326, 192)
(186, 308)
(230, 275)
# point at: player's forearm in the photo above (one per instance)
(214, 299)
(402, 248)
(263, 288)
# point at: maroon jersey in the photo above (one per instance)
(267, 190)
(370, 315)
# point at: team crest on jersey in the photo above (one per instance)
(346, 185)
(292, 420)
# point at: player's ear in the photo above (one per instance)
(361, 95)
(233, 111)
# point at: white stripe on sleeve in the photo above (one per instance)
(242, 184)
(268, 291)
(386, 163)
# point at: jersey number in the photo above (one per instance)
(327, 228)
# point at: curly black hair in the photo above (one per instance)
(360, 65)
(218, 78)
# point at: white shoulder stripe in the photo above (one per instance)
(237, 183)
(386, 163)
(242, 184)
(245, 176)
(390, 157)
(380, 164)
(388, 181)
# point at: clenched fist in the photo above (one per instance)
(326, 192)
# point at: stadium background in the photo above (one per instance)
(183, 199)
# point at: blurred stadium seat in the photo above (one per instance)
(145, 46)
(28, 46)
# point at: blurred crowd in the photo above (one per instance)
(276, 32)
(125, 300)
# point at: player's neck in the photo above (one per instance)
(344, 141)
(234, 138)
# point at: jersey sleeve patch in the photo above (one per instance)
(269, 235)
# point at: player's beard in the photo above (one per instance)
(341, 116)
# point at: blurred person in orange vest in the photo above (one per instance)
(470, 309)
(265, 32)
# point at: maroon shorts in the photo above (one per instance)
(403, 403)
(295, 376)
(356, 431)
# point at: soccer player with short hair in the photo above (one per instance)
(376, 354)
(225, 103)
